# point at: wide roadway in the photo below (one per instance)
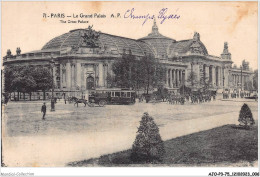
(74, 133)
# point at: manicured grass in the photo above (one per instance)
(219, 145)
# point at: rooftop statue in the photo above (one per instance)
(90, 38)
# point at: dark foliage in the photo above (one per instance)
(124, 71)
(27, 79)
(245, 116)
(144, 73)
(148, 146)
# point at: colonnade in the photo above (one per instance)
(175, 77)
(237, 80)
(216, 76)
(74, 76)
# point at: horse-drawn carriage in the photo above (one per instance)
(93, 99)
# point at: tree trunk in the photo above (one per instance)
(30, 96)
(18, 96)
(23, 96)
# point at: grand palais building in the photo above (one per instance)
(83, 60)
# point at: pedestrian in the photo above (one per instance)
(43, 110)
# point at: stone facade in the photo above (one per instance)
(84, 60)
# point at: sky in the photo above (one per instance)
(24, 25)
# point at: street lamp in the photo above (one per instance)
(52, 64)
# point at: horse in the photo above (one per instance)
(77, 101)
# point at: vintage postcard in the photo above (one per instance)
(130, 84)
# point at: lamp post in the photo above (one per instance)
(52, 64)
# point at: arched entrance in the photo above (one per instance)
(90, 83)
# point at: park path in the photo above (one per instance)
(58, 150)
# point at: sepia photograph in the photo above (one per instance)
(130, 84)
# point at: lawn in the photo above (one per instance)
(219, 145)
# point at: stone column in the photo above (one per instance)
(183, 77)
(82, 77)
(68, 75)
(242, 81)
(72, 76)
(54, 76)
(207, 73)
(173, 78)
(186, 76)
(226, 77)
(78, 68)
(171, 85)
(213, 76)
(178, 78)
(96, 74)
(235, 76)
(219, 76)
(196, 70)
(109, 69)
(166, 80)
(105, 74)
(101, 75)
(61, 76)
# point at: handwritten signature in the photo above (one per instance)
(162, 16)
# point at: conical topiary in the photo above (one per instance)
(245, 116)
(148, 146)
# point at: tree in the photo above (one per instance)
(162, 92)
(204, 83)
(148, 146)
(27, 79)
(192, 80)
(146, 73)
(248, 85)
(42, 77)
(9, 76)
(123, 70)
(110, 81)
(152, 73)
(245, 116)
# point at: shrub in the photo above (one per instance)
(245, 116)
(148, 146)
